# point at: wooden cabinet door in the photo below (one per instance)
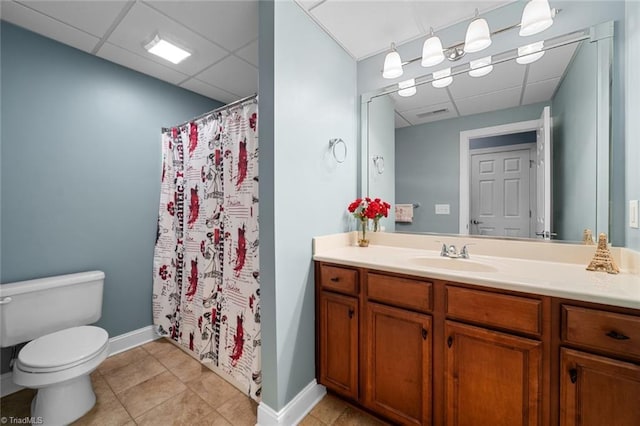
(491, 378)
(339, 343)
(398, 364)
(598, 391)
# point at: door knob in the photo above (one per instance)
(476, 222)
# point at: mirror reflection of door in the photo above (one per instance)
(501, 188)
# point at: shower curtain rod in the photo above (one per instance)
(227, 106)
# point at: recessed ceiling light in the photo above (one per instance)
(166, 50)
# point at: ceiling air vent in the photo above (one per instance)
(430, 113)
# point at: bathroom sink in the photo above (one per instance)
(452, 264)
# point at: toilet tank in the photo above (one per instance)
(33, 308)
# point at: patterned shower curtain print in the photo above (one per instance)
(206, 293)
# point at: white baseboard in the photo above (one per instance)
(117, 344)
(130, 340)
(295, 410)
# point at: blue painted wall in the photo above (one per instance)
(428, 165)
(632, 40)
(311, 99)
(574, 146)
(382, 143)
(81, 168)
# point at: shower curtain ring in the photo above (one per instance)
(335, 142)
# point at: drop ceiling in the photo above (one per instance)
(223, 37)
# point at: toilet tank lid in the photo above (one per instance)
(20, 287)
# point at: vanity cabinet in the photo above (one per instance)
(337, 334)
(397, 348)
(492, 378)
(493, 367)
(600, 378)
(421, 351)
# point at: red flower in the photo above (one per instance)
(369, 209)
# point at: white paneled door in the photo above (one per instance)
(500, 193)
(543, 176)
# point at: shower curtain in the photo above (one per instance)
(206, 293)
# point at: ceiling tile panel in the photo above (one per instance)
(142, 23)
(504, 76)
(540, 91)
(205, 89)
(232, 74)
(230, 24)
(46, 26)
(249, 53)
(368, 28)
(441, 14)
(425, 96)
(552, 64)
(429, 114)
(130, 60)
(508, 98)
(93, 17)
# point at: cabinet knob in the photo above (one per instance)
(334, 279)
(424, 334)
(450, 341)
(573, 375)
(618, 336)
(351, 312)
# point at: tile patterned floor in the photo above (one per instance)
(159, 384)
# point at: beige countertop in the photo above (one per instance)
(566, 278)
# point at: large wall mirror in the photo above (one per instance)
(523, 151)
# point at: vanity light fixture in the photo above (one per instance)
(536, 17)
(407, 88)
(478, 35)
(530, 53)
(392, 64)
(432, 51)
(480, 67)
(442, 78)
(166, 50)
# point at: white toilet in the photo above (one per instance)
(52, 313)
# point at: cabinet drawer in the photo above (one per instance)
(607, 331)
(520, 314)
(402, 292)
(341, 280)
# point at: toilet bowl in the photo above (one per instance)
(58, 365)
(51, 314)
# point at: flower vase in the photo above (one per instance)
(362, 238)
(376, 224)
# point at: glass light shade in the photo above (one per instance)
(392, 65)
(480, 67)
(442, 78)
(478, 36)
(432, 52)
(407, 88)
(530, 53)
(536, 17)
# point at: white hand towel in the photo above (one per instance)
(404, 213)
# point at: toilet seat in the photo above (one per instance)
(63, 349)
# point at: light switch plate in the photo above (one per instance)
(442, 209)
(633, 214)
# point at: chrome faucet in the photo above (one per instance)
(452, 251)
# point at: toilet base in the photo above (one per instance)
(63, 403)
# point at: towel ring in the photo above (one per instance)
(333, 143)
(378, 162)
